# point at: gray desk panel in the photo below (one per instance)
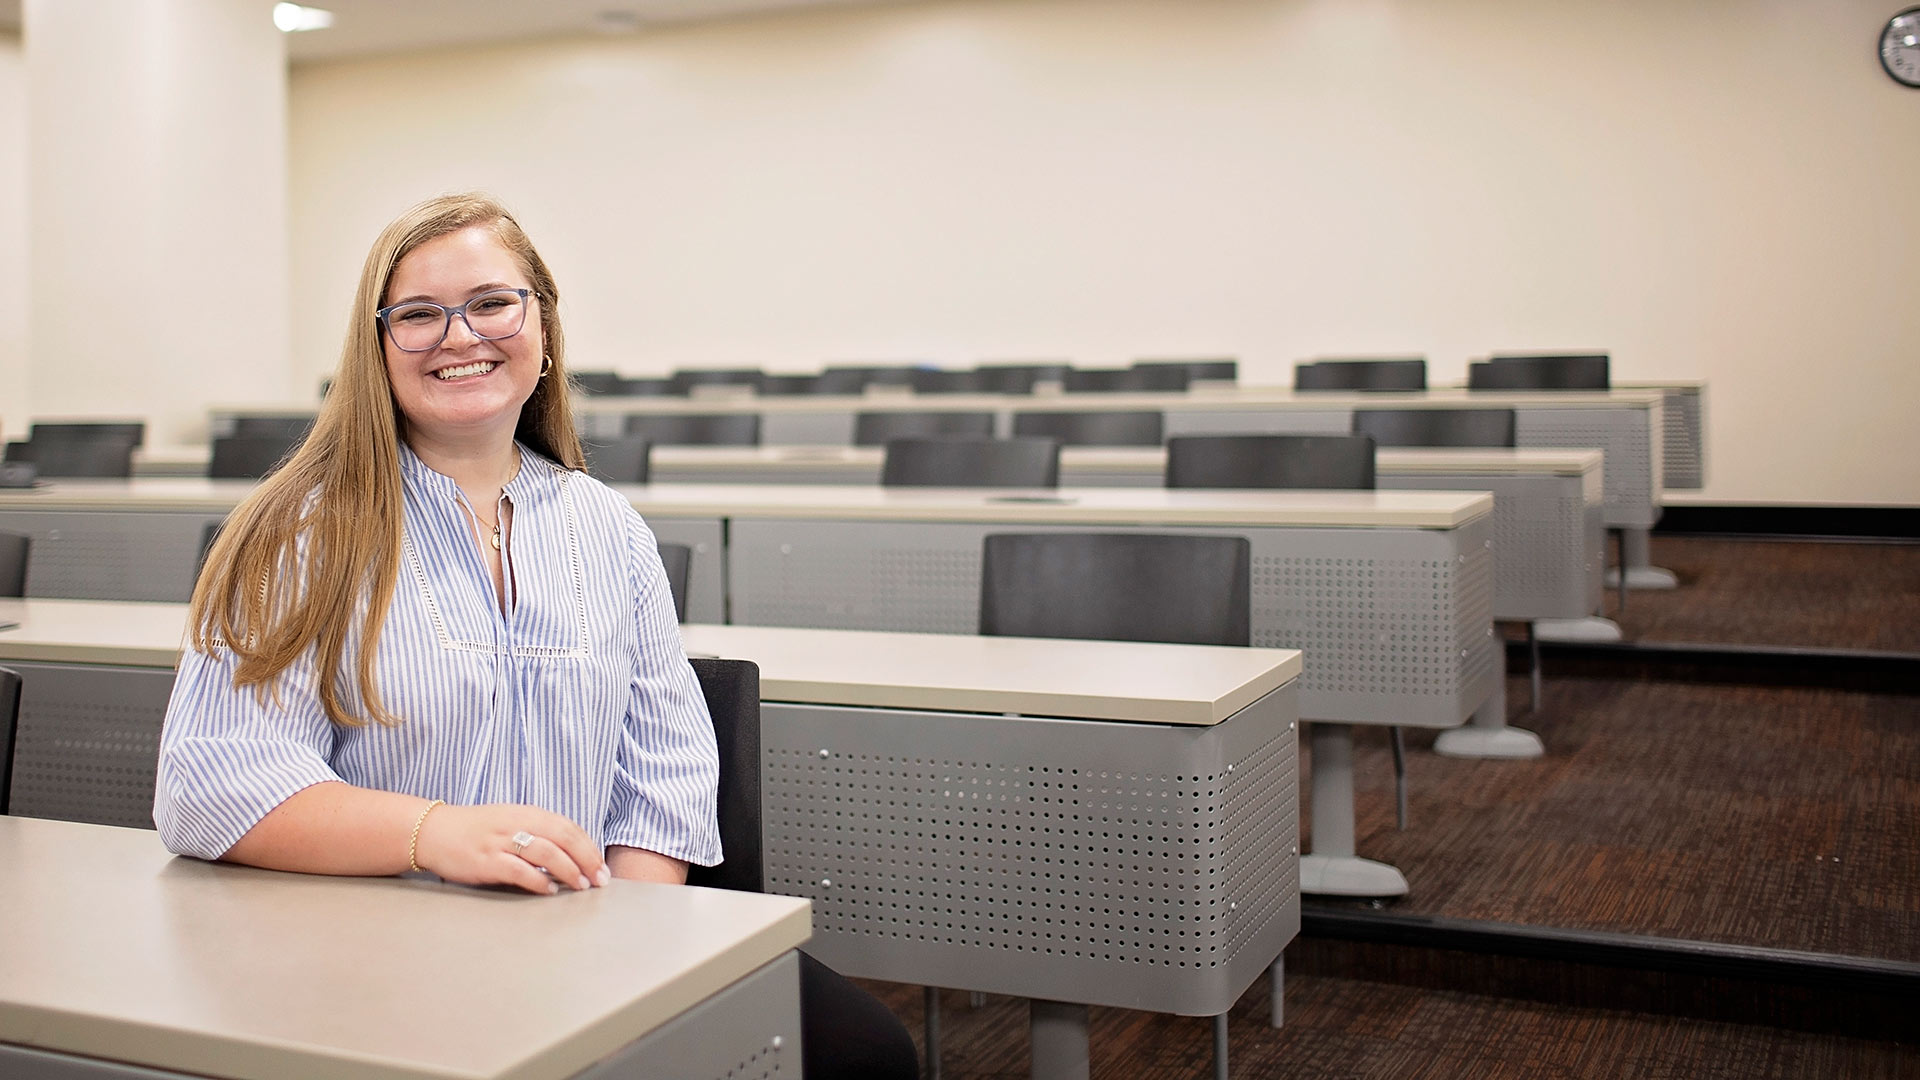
(1396, 624)
(1139, 865)
(1632, 450)
(112, 554)
(88, 742)
(707, 573)
(1549, 540)
(1685, 438)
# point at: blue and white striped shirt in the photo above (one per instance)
(578, 698)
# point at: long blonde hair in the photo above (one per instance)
(297, 558)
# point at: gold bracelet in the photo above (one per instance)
(413, 845)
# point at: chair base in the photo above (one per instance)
(1349, 875)
(1645, 577)
(1592, 629)
(1470, 741)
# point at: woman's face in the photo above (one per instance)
(466, 387)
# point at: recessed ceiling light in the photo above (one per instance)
(293, 18)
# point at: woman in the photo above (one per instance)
(432, 642)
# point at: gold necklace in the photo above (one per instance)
(483, 523)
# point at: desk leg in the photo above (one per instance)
(1484, 735)
(1635, 552)
(930, 996)
(1059, 1040)
(1220, 1048)
(1332, 869)
(1277, 979)
(1593, 628)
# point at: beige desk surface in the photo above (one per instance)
(115, 949)
(1109, 506)
(1226, 398)
(1096, 680)
(1100, 680)
(1131, 460)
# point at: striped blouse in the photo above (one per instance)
(578, 698)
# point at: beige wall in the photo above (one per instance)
(15, 406)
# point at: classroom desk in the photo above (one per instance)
(122, 960)
(947, 803)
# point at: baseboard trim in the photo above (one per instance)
(1756, 665)
(1885, 523)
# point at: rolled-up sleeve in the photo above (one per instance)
(227, 757)
(667, 767)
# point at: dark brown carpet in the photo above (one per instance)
(1778, 817)
(1767, 592)
(1340, 1028)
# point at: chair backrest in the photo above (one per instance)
(732, 689)
(1270, 461)
(1118, 587)
(280, 425)
(1119, 380)
(14, 549)
(19, 450)
(1436, 427)
(1482, 375)
(1558, 371)
(876, 428)
(9, 719)
(1381, 375)
(207, 536)
(1221, 370)
(962, 462)
(1092, 428)
(595, 382)
(1018, 377)
(626, 459)
(686, 379)
(103, 458)
(132, 431)
(645, 386)
(678, 560)
(943, 381)
(249, 457)
(696, 429)
(787, 385)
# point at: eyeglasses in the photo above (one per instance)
(420, 325)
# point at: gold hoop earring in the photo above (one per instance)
(546, 367)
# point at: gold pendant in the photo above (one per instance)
(496, 538)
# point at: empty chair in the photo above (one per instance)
(595, 382)
(624, 460)
(9, 721)
(1270, 461)
(1555, 371)
(249, 457)
(1093, 428)
(107, 458)
(696, 429)
(1127, 586)
(1436, 427)
(942, 381)
(130, 431)
(732, 690)
(1380, 375)
(293, 426)
(785, 385)
(875, 428)
(678, 560)
(1134, 379)
(1482, 375)
(1222, 370)
(855, 378)
(1019, 377)
(14, 549)
(684, 380)
(207, 536)
(951, 462)
(647, 387)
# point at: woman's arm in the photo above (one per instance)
(639, 864)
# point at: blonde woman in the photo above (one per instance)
(432, 642)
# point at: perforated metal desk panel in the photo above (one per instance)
(1388, 593)
(1626, 425)
(140, 539)
(122, 960)
(1108, 823)
(1684, 433)
(1549, 543)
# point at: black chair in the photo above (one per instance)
(131, 431)
(249, 457)
(1221, 370)
(20, 450)
(1018, 377)
(1436, 427)
(626, 459)
(595, 382)
(696, 429)
(684, 380)
(732, 690)
(9, 721)
(1270, 461)
(1482, 375)
(942, 381)
(876, 428)
(278, 425)
(647, 387)
(1555, 371)
(14, 549)
(1126, 586)
(841, 382)
(678, 559)
(207, 536)
(1364, 375)
(105, 458)
(855, 378)
(1127, 380)
(787, 385)
(1092, 428)
(935, 462)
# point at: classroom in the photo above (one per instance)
(1527, 683)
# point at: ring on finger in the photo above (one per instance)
(520, 841)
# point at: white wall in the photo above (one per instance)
(1719, 189)
(15, 404)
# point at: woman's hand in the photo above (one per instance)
(474, 845)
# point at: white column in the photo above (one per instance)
(157, 183)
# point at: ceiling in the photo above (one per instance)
(365, 27)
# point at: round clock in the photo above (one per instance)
(1900, 47)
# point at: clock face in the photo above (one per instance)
(1900, 47)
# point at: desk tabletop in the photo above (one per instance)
(1133, 459)
(1108, 506)
(123, 632)
(116, 949)
(1209, 399)
(1091, 680)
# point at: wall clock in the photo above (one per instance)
(1900, 47)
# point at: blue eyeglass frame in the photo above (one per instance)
(383, 316)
